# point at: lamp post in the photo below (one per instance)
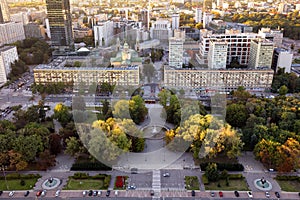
(3, 168)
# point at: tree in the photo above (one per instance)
(61, 113)
(73, 146)
(283, 90)
(137, 108)
(236, 115)
(211, 172)
(54, 144)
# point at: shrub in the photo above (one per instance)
(79, 175)
(22, 182)
(288, 178)
(219, 185)
(224, 174)
(89, 166)
(225, 166)
(205, 179)
(235, 176)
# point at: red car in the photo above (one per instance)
(221, 194)
(39, 193)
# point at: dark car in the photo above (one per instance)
(277, 194)
(107, 193)
(193, 193)
(90, 193)
(1, 192)
(236, 193)
(95, 193)
(152, 192)
(26, 193)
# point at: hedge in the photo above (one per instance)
(224, 166)
(288, 178)
(205, 179)
(14, 176)
(235, 176)
(89, 166)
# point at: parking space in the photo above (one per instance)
(143, 180)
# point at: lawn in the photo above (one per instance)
(84, 184)
(289, 186)
(191, 182)
(15, 184)
(236, 184)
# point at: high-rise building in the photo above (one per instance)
(176, 50)
(238, 45)
(282, 59)
(175, 21)
(8, 55)
(261, 53)
(198, 15)
(60, 22)
(144, 17)
(103, 33)
(207, 17)
(11, 32)
(217, 54)
(4, 12)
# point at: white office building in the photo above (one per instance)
(8, 55)
(20, 17)
(282, 59)
(176, 51)
(198, 15)
(11, 32)
(261, 53)
(217, 54)
(238, 45)
(103, 33)
(175, 21)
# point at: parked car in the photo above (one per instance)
(167, 174)
(44, 192)
(95, 193)
(1, 192)
(236, 193)
(267, 194)
(107, 193)
(250, 195)
(11, 193)
(221, 194)
(99, 193)
(90, 193)
(116, 193)
(277, 194)
(131, 187)
(57, 193)
(39, 193)
(26, 193)
(152, 192)
(193, 193)
(212, 194)
(84, 193)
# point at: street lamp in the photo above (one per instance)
(3, 168)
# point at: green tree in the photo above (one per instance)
(137, 108)
(211, 172)
(283, 90)
(236, 115)
(73, 146)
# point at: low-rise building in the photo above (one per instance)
(218, 79)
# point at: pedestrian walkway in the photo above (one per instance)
(156, 184)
